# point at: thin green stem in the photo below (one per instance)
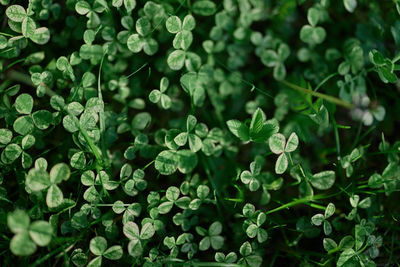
(148, 164)
(336, 132)
(136, 71)
(7, 34)
(214, 186)
(328, 98)
(396, 58)
(14, 63)
(101, 115)
(296, 202)
(87, 138)
(357, 136)
(325, 80)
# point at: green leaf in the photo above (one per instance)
(195, 143)
(59, 172)
(202, 191)
(41, 36)
(252, 231)
(28, 141)
(23, 125)
(365, 203)
(155, 96)
(327, 228)
(312, 35)
(42, 119)
(279, 72)
(98, 245)
(131, 230)
(239, 129)
(176, 59)
(270, 58)
(96, 262)
(16, 13)
(82, 7)
(172, 193)
(323, 180)
(204, 7)
(173, 24)
(350, 5)
(217, 242)
(257, 122)
(5, 136)
(141, 121)
(114, 253)
(94, 53)
(183, 40)
(245, 249)
(329, 244)
(69, 124)
(269, 128)
(281, 164)
(187, 160)
(277, 143)
(313, 16)
(41, 233)
(205, 243)
(143, 26)
(24, 104)
(3, 42)
(345, 256)
(78, 160)
(135, 248)
(167, 162)
(38, 179)
(181, 139)
(189, 23)
(262, 235)
(22, 245)
(129, 5)
(347, 242)
(12, 152)
(28, 27)
(317, 219)
(147, 231)
(54, 196)
(165, 207)
(18, 221)
(215, 229)
(79, 258)
(330, 210)
(292, 143)
(386, 75)
(261, 218)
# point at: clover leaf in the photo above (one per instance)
(141, 40)
(98, 246)
(255, 230)
(211, 237)
(278, 145)
(319, 219)
(156, 96)
(136, 236)
(260, 129)
(39, 180)
(194, 141)
(248, 255)
(27, 235)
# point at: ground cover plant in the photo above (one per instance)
(199, 133)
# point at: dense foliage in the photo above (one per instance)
(199, 133)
